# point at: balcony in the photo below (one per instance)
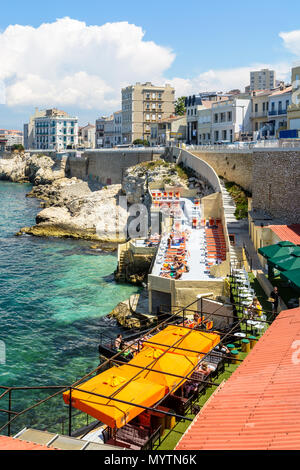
(259, 114)
(277, 112)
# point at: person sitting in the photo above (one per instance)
(189, 389)
(203, 368)
(255, 309)
(119, 342)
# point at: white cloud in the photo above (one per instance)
(225, 79)
(291, 41)
(69, 63)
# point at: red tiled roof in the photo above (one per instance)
(9, 443)
(290, 233)
(259, 406)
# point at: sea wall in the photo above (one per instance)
(107, 167)
(235, 167)
(276, 188)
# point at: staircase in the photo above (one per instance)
(58, 441)
(123, 262)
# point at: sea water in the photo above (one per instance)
(54, 295)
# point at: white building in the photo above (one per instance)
(29, 129)
(230, 119)
(55, 131)
(10, 137)
(87, 136)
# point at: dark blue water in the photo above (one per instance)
(53, 296)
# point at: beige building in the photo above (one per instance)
(259, 115)
(143, 105)
(264, 79)
(171, 129)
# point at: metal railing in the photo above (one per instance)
(13, 415)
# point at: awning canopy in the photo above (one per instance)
(279, 250)
(196, 341)
(115, 383)
(165, 363)
(293, 277)
(287, 263)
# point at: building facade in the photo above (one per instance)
(264, 79)
(196, 105)
(109, 132)
(29, 129)
(169, 130)
(279, 102)
(10, 137)
(118, 128)
(260, 114)
(100, 131)
(56, 131)
(230, 120)
(87, 136)
(143, 105)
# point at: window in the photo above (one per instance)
(229, 116)
(216, 136)
(256, 107)
(153, 96)
(216, 118)
(224, 136)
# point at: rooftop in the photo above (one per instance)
(290, 233)
(9, 443)
(258, 407)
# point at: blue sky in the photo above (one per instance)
(192, 38)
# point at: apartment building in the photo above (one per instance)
(204, 130)
(87, 136)
(100, 131)
(143, 105)
(279, 102)
(109, 132)
(172, 129)
(118, 128)
(29, 129)
(55, 131)
(230, 120)
(194, 104)
(10, 137)
(264, 79)
(260, 114)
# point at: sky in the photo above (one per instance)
(78, 55)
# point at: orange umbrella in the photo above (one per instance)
(165, 364)
(115, 383)
(198, 341)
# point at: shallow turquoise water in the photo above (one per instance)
(53, 294)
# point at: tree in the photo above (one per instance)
(180, 108)
(18, 147)
(141, 142)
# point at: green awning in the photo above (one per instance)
(280, 250)
(293, 277)
(287, 263)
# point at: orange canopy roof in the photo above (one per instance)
(167, 363)
(197, 341)
(115, 383)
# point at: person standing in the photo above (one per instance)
(275, 296)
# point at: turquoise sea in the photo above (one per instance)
(53, 297)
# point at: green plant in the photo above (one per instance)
(180, 108)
